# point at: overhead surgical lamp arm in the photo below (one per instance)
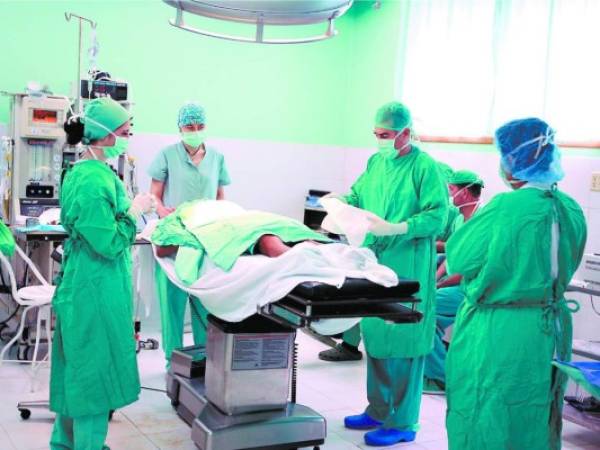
(259, 39)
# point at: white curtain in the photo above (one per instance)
(471, 65)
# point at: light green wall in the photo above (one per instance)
(320, 93)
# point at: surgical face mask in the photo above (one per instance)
(387, 147)
(457, 193)
(111, 151)
(193, 138)
(463, 205)
(117, 149)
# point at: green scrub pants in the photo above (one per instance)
(352, 336)
(173, 301)
(447, 302)
(394, 389)
(81, 433)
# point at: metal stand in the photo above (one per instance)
(589, 421)
(246, 399)
(294, 427)
(26, 407)
(68, 17)
(286, 428)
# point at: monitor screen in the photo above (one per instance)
(44, 116)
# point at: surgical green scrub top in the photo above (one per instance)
(192, 182)
(409, 188)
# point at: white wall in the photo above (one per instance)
(275, 176)
(270, 176)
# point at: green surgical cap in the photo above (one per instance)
(445, 170)
(393, 116)
(105, 115)
(465, 177)
(191, 114)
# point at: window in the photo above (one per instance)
(471, 65)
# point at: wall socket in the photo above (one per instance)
(595, 182)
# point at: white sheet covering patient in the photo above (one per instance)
(234, 293)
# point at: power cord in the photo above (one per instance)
(154, 389)
(594, 305)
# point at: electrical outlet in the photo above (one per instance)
(595, 182)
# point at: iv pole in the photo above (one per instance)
(93, 24)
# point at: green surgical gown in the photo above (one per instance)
(7, 240)
(409, 188)
(502, 390)
(94, 366)
(449, 227)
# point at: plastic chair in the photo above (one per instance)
(31, 297)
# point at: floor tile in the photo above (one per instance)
(30, 434)
(579, 437)
(173, 440)
(5, 441)
(335, 442)
(335, 390)
(153, 413)
(121, 427)
(139, 442)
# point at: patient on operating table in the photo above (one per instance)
(268, 245)
(223, 231)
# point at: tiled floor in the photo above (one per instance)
(335, 390)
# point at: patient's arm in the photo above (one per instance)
(268, 245)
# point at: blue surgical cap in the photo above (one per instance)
(191, 114)
(528, 150)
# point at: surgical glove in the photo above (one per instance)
(380, 227)
(142, 204)
(339, 197)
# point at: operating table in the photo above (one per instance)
(239, 393)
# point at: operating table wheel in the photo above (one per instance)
(25, 413)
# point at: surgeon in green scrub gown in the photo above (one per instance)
(94, 367)
(185, 171)
(517, 256)
(465, 189)
(404, 187)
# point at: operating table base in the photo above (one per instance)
(296, 426)
(286, 429)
